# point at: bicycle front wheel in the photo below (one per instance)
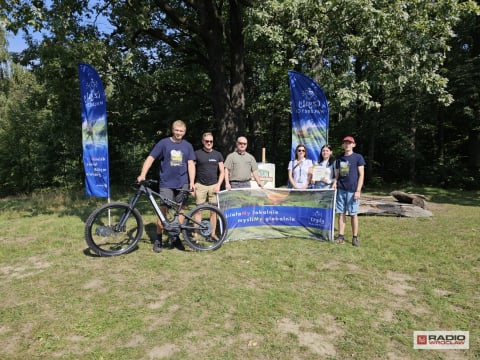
(113, 229)
(205, 228)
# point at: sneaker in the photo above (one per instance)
(340, 239)
(355, 241)
(157, 246)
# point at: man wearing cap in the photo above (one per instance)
(349, 174)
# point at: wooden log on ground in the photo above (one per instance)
(415, 199)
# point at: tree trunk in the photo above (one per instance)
(227, 90)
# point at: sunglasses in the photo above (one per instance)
(301, 150)
(208, 141)
(241, 143)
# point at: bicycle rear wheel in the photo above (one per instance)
(106, 236)
(205, 228)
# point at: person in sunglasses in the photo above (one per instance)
(209, 175)
(300, 169)
(240, 166)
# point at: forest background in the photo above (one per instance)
(401, 76)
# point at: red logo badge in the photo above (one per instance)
(421, 339)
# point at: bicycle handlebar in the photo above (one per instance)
(148, 182)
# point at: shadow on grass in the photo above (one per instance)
(90, 253)
(151, 231)
(435, 195)
(457, 197)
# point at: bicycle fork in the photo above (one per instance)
(121, 226)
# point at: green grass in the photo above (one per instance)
(270, 299)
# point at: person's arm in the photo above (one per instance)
(335, 178)
(257, 178)
(191, 174)
(227, 179)
(146, 166)
(309, 176)
(221, 176)
(334, 182)
(290, 178)
(361, 175)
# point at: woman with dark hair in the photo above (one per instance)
(300, 169)
(323, 173)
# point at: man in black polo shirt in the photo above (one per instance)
(209, 174)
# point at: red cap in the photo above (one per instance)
(349, 138)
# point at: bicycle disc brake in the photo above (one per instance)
(205, 228)
(104, 231)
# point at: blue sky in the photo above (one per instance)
(16, 43)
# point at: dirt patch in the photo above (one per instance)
(398, 284)
(161, 298)
(94, 284)
(163, 352)
(31, 266)
(442, 292)
(322, 344)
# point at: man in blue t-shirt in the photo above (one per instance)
(177, 171)
(349, 175)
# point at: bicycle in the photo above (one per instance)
(116, 228)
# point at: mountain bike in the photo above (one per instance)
(116, 228)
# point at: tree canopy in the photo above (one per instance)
(401, 76)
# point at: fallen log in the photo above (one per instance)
(415, 199)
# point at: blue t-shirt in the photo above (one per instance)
(348, 171)
(173, 159)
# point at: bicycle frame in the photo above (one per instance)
(172, 227)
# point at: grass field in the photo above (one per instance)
(259, 299)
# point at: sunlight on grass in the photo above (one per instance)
(272, 299)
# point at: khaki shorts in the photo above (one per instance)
(204, 192)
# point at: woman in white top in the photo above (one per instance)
(326, 169)
(300, 169)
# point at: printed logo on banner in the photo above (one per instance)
(435, 340)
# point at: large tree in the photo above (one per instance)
(204, 37)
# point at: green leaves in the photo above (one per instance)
(389, 68)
